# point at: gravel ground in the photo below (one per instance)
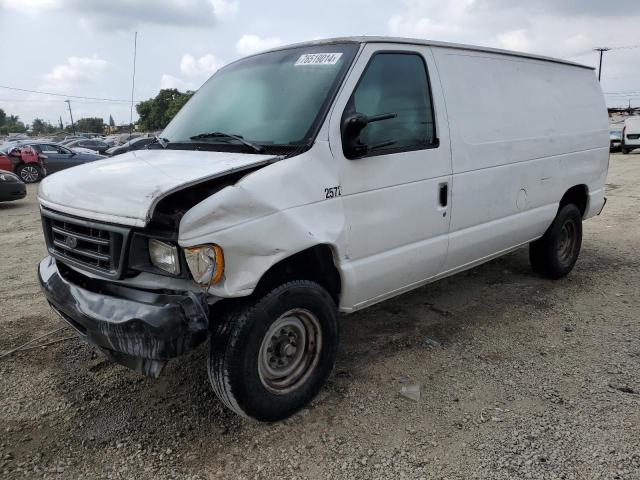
(520, 377)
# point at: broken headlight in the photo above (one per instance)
(164, 256)
(206, 263)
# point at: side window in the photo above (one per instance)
(395, 83)
(47, 148)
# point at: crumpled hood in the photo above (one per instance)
(125, 189)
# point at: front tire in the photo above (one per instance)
(555, 254)
(268, 358)
(29, 173)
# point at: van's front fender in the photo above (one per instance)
(268, 216)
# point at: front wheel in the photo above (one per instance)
(29, 173)
(556, 252)
(269, 358)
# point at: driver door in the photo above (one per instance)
(396, 197)
(60, 158)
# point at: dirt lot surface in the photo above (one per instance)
(520, 377)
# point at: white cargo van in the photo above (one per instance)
(630, 138)
(317, 178)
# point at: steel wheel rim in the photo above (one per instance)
(567, 242)
(29, 173)
(290, 351)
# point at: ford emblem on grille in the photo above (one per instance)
(71, 242)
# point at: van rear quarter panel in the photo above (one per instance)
(523, 131)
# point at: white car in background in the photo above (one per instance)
(631, 134)
(84, 150)
(615, 137)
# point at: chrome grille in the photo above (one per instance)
(85, 244)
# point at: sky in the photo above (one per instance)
(85, 47)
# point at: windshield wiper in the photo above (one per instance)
(253, 146)
(161, 140)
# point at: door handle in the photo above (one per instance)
(443, 194)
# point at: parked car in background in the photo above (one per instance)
(59, 157)
(630, 135)
(615, 138)
(135, 144)
(23, 160)
(127, 137)
(11, 187)
(89, 144)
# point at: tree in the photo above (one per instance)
(112, 123)
(12, 124)
(90, 125)
(156, 113)
(3, 117)
(39, 126)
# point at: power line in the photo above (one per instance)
(626, 47)
(115, 100)
(51, 101)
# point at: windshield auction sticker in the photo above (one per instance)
(318, 58)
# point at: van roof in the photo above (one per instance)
(434, 43)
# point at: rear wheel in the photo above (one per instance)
(555, 254)
(29, 173)
(268, 358)
(624, 150)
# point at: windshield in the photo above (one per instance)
(275, 98)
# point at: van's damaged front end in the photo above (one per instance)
(101, 275)
(141, 329)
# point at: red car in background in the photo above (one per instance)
(24, 161)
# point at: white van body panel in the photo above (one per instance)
(523, 132)
(267, 216)
(125, 189)
(397, 230)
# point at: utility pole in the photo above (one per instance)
(133, 81)
(73, 125)
(601, 50)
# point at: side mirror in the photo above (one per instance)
(352, 125)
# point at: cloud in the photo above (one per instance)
(29, 6)
(430, 19)
(76, 72)
(126, 14)
(225, 8)
(515, 40)
(206, 65)
(249, 44)
(561, 28)
(169, 81)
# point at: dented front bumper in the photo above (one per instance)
(139, 329)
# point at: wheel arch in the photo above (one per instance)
(579, 196)
(316, 264)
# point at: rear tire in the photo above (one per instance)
(269, 357)
(29, 173)
(556, 252)
(624, 151)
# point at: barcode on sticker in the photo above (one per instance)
(318, 59)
